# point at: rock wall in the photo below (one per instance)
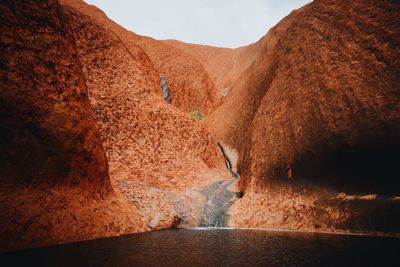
(49, 135)
(55, 185)
(320, 94)
(151, 145)
(190, 84)
(316, 116)
(330, 112)
(91, 148)
(224, 65)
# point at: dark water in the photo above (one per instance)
(216, 248)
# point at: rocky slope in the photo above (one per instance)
(224, 65)
(106, 154)
(334, 104)
(55, 185)
(190, 84)
(151, 145)
(318, 110)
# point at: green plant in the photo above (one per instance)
(197, 115)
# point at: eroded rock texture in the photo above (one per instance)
(49, 135)
(318, 106)
(157, 154)
(190, 84)
(330, 111)
(70, 87)
(54, 172)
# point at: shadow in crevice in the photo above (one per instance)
(355, 170)
(228, 162)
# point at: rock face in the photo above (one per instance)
(190, 84)
(319, 106)
(49, 135)
(151, 146)
(322, 92)
(330, 113)
(54, 172)
(91, 148)
(224, 65)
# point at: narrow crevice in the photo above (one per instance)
(165, 89)
(219, 198)
(228, 162)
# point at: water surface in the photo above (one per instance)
(217, 247)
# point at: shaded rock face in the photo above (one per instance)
(322, 100)
(48, 134)
(54, 177)
(331, 112)
(310, 208)
(314, 117)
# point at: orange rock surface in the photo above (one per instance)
(317, 110)
(191, 86)
(55, 185)
(64, 104)
(156, 152)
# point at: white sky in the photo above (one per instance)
(226, 23)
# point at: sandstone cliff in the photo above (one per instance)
(55, 185)
(318, 107)
(153, 148)
(91, 148)
(322, 86)
(191, 86)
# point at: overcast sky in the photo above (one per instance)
(226, 23)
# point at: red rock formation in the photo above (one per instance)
(50, 136)
(311, 120)
(151, 146)
(330, 113)
(190, 85)
(224, 65)
(54, 174)
(218, 62)
(318, 106)
(60, 191)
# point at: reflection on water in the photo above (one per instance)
(217, 247)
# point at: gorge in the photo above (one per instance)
(105, 132)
